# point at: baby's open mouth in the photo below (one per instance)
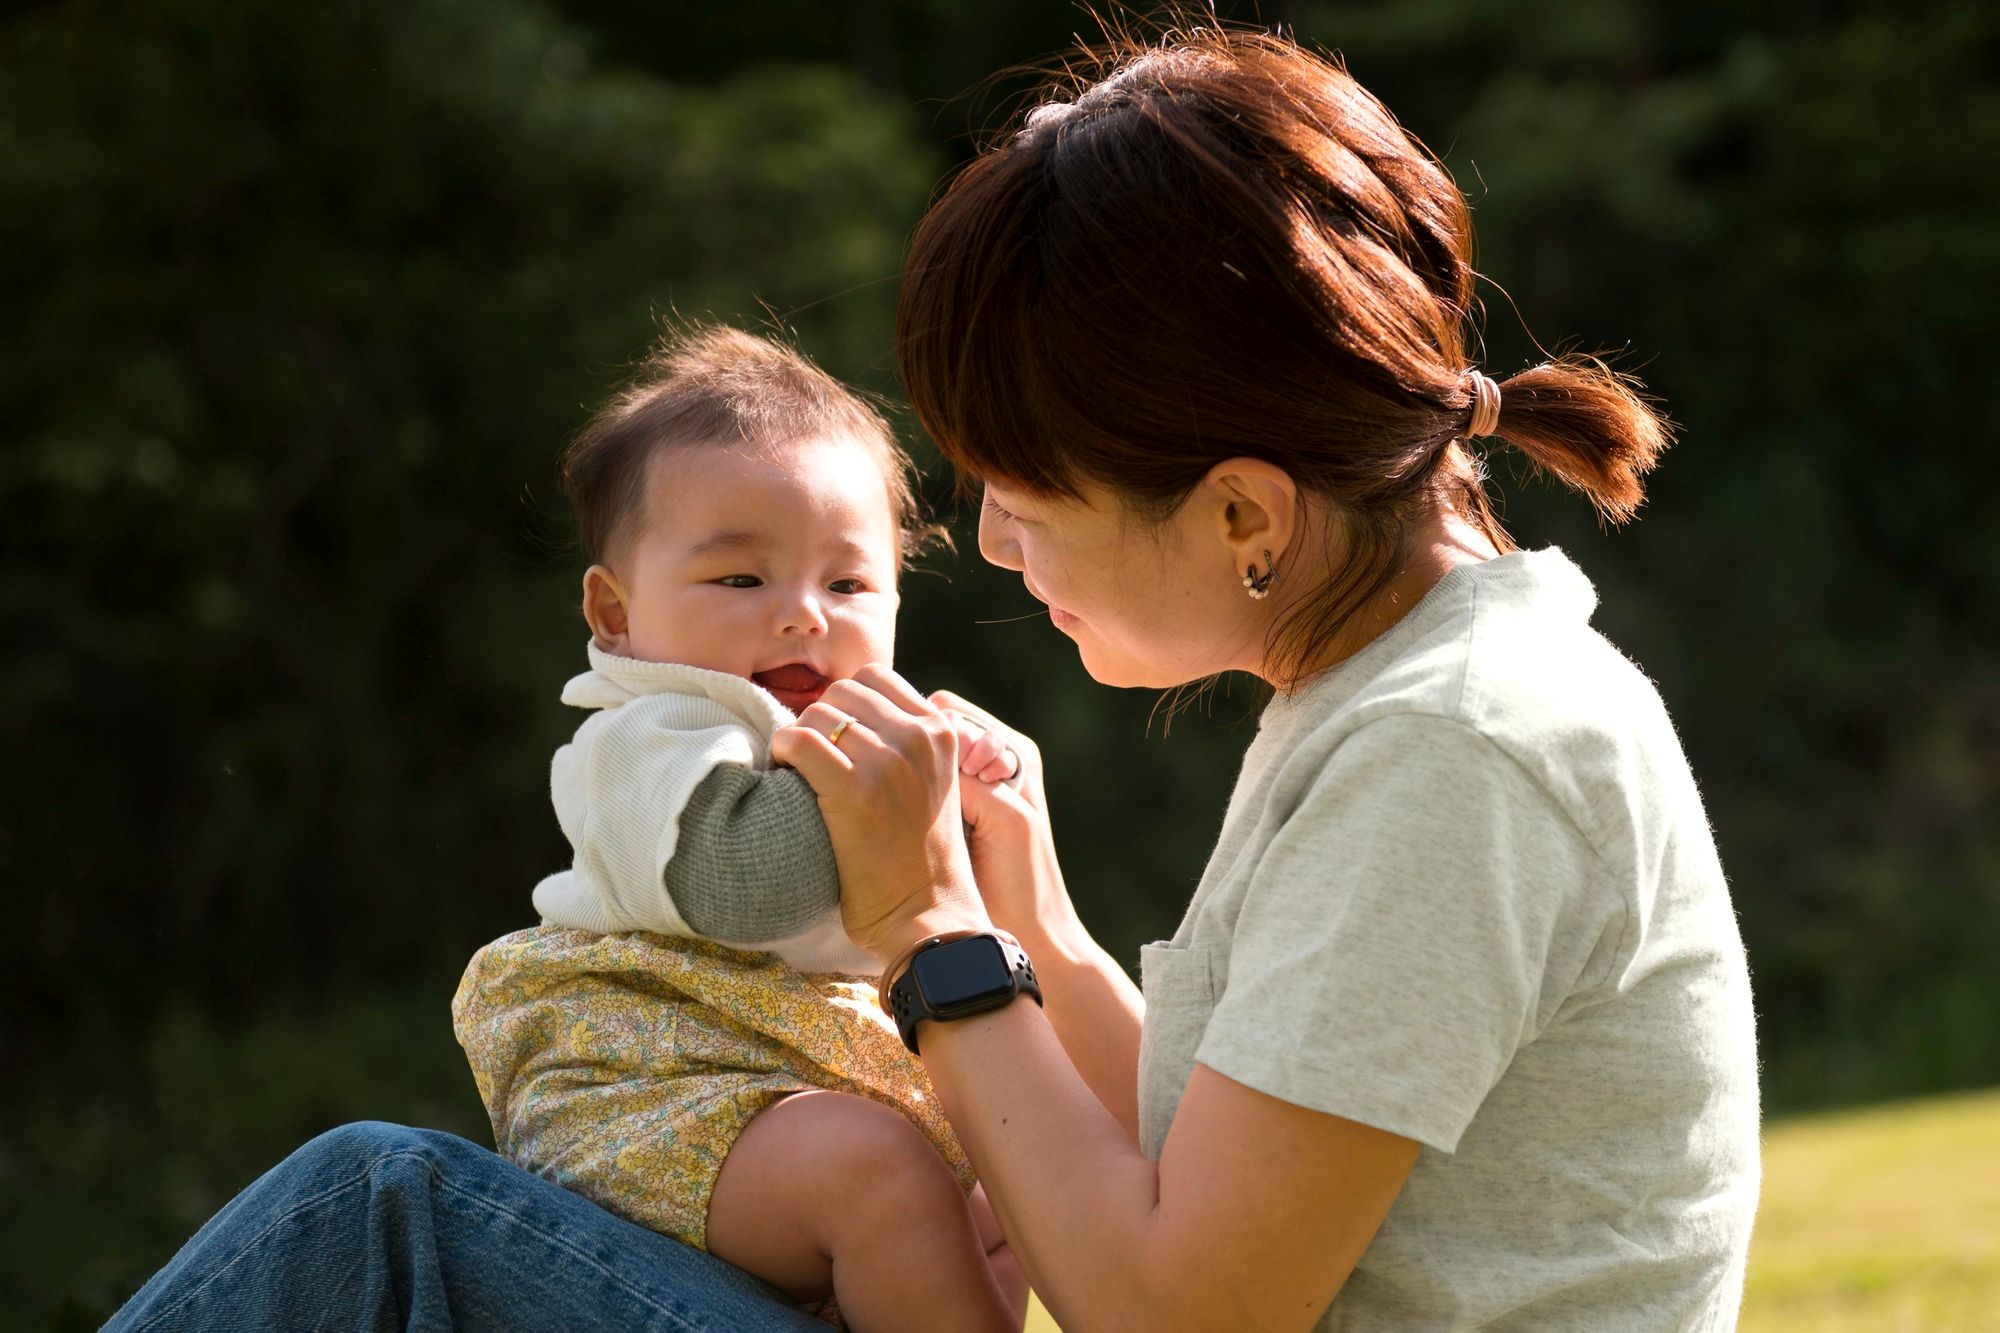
(795, 684)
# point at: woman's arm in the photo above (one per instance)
(1096, 1012)
(1095, 1008)
(1253, 1217)
(1257, 1209)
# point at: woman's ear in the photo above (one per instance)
(1255, 504)
(605, 611)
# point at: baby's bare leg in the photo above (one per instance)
(999, 1255)
(827, 1193)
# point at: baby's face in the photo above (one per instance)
(775, 564)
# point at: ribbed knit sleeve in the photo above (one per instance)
(753, 862)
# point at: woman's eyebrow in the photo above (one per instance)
(723, 541)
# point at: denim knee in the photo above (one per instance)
(362, 1147)
(364, 1140)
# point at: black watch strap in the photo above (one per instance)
(909, 1005)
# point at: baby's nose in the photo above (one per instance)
(803, 614)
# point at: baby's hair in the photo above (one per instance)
(714, 384)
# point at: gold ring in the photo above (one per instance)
(840, 730)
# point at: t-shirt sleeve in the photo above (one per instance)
(753, 862)
(1396, 939)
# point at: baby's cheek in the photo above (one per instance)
(874, 632)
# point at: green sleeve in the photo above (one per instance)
(753, 862)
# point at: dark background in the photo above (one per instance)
(303, 299)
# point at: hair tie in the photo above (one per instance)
(1485, 406)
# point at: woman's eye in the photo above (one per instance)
(740, 581)
(847, 587)
(994, 506)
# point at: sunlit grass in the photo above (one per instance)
(1885, 1220)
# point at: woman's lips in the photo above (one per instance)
(795, 684)
(1062, 619)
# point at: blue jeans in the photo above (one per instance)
(375, 1226)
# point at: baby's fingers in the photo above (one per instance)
(956, 703)
(969, 733)
(1002, 768)
(978, 749)
(986, 755)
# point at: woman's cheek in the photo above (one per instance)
(1046, 577)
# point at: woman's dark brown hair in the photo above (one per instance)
(1221, 245)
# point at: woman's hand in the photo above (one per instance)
(883, 761)
(1012, 848)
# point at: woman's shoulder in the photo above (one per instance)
(1491, 641)
(1504, 650)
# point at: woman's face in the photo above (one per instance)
(1148, 606)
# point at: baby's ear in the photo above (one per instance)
(604, 609)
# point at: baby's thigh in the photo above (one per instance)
(818, 1166)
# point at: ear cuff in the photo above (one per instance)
(1260, 587)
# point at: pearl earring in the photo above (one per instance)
(1260, 588)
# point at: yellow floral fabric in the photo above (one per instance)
(624, 1066)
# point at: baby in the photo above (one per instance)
(689, 1038)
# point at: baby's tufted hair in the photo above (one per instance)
(713, 384)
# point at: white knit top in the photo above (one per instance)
(619, 787)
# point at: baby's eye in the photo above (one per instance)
(740, 581)
(847, 587)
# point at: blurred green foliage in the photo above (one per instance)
(305, 299)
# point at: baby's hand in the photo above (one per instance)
(983, 752)
(1007, 823)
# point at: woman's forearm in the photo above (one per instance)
(1072, 1191)
(1096, 1011)
(1253, 1217)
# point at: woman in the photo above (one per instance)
(1456, 1030)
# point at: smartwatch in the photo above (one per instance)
(954, 976)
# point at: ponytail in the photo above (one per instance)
(1588, 426)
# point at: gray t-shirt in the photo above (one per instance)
(1465, 892)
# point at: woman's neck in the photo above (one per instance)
(1441, 544)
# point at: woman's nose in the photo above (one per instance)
(996, 544)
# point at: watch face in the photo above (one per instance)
(964, 972)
